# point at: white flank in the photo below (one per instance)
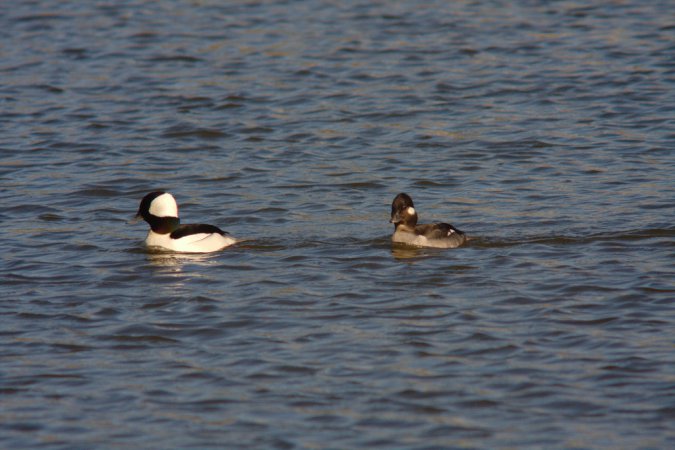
(194, 243)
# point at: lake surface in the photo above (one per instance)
(545, 130)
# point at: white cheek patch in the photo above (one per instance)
(164, 206)
(450, 231)
(410, 211)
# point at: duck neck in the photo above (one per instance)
(162, 225)
(405, 226)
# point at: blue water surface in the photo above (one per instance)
(545, 130)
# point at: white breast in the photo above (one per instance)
(404, 237)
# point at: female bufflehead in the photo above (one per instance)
(160, 210)
(406, 231)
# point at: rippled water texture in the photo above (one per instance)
(545, 130)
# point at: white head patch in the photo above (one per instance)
(410, 210)
(164, 206)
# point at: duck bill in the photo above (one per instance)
(134, 219)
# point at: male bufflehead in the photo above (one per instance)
(160, 210)
(406, 231)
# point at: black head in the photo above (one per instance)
(144, 207)
(403, 210)
(160, 210)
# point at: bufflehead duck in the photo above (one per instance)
(406, 231)
(160, 210)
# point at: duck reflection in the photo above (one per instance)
(174, 262)
(411, 253)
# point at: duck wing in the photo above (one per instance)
(192, 229)
(438, 230)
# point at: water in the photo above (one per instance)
(544, 130)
